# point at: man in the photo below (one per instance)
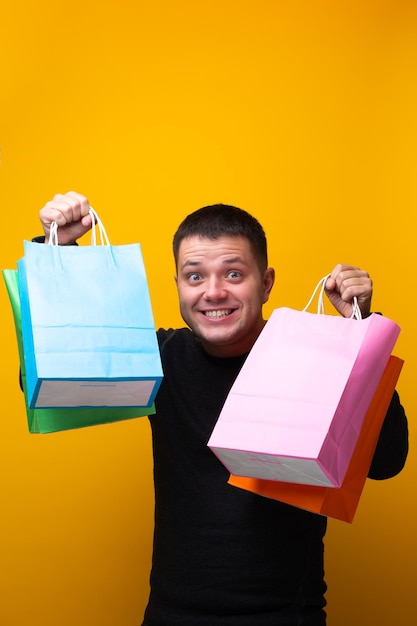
(223, 556)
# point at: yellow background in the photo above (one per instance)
(302, 112)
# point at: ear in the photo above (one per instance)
(268, 282)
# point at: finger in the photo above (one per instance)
(64, 209)
(347, 276)
(337, 276)
(360, 288)
(82, 202)
(336, 270)
(330, 284)
(335, 279)
(56, 211)
(73, 205)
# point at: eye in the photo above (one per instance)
(233, 274)
(194, 277)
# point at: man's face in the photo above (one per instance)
(221, 292)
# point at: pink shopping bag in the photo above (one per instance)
(338, 502)
(295, 411)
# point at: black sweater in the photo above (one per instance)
(224, 556)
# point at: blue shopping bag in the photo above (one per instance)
(88, 331)
(58, 419)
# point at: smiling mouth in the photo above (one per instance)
(218, 314)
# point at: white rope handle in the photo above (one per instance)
(104, 240)
(53, 234)
(356, 312)
(96, 221)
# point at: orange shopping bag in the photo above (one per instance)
(340, 502)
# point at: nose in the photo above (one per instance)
(215, 290)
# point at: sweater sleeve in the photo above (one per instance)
(392, 447)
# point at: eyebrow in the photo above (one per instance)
(235, 259)
(228, 261)
(190, 264)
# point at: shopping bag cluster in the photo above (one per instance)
(86, 336)
(303, 402)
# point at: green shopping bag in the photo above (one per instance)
(53, 420)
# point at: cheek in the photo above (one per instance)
(253, 296)
(186, 295)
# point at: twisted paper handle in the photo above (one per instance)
(356, 312)
(96, 221)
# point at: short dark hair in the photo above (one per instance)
(219, 220)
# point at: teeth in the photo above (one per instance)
(217, 314)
